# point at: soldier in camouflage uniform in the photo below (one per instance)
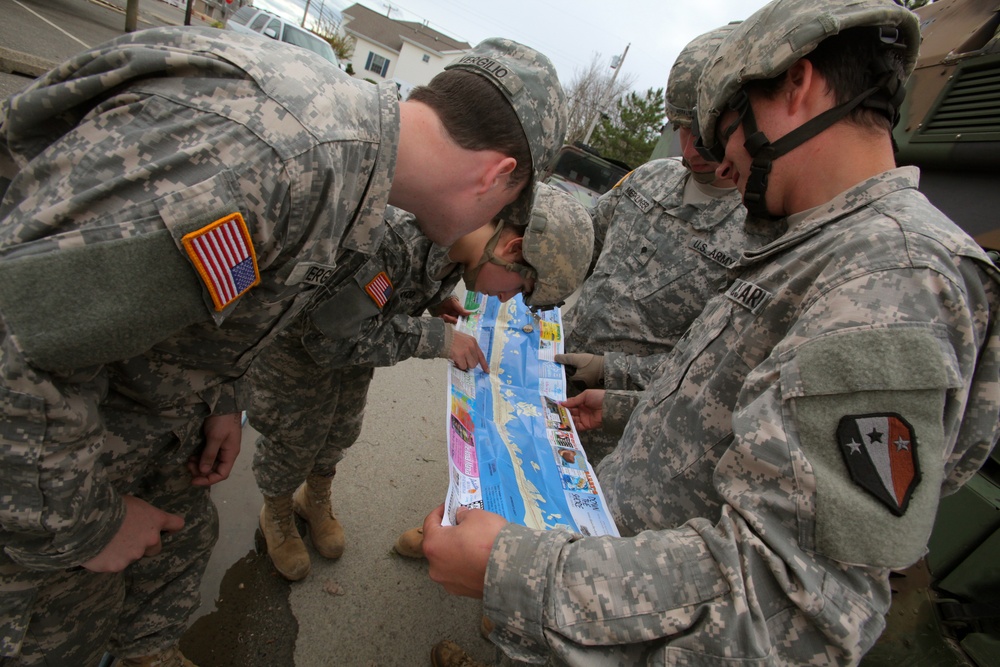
(171, 200)
(796, 444)
(308, 390)
(669, 233)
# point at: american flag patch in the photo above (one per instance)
(223, 254)
(379, 289)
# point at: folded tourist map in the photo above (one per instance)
(512, 449)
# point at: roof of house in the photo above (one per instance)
(391, 33)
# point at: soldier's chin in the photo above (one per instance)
(703, 177)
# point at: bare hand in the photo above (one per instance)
(587, 409)
(458, 554)
(466, 353)
(450, 310)
(138, 536)
(223, 434)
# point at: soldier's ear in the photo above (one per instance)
(497, 173)
(512, 249)
(802, 83)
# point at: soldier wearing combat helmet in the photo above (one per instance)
(173, 199)
(770, 46)
(308, 389)
(668, 234)
(794, 447)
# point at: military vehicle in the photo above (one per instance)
(946, 609)
(583, 172)
(950, 120)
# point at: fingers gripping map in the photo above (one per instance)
(513, 449)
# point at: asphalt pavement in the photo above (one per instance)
(371, 607)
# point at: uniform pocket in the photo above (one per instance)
(15, 614)
(358, 300)
(22, 432)
(867, 406)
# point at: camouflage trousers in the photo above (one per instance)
(71, 617)
(308, 415)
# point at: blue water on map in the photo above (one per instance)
(520, 385)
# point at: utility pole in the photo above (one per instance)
(131, 15)
(305, 15)
(617, 65)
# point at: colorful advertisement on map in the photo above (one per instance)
(512, 449)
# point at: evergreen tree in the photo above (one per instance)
(630, 132)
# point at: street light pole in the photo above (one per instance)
(611, 89)
(131, 15)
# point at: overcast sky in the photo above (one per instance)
(569, 32)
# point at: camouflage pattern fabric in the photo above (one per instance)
(782, 32)
(557, 247)
(659, 261)
(751, 539)
(308, 390)
(120, 153)
(529, 81)
(682, 84)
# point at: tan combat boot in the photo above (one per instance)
(486, 627)
(284, 544)
(447, 653)
(312, 503)
(411, 543)
(171, 657)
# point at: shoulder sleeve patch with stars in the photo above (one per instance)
(880, 452)
(379, 289)
(866, 405)
(223, 254)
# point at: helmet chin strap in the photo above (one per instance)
(763, 152)
(471, 274)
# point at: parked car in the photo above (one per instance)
(252, 20)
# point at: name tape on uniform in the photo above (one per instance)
(496, 70)
(638, 199)
(748, 295)
(716, 255)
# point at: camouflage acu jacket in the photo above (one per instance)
(176, 197)
(793, 450)
(374, 318)
(658, 263)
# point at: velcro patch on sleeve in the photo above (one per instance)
(867, 405)
(379, 289)
(224, 257)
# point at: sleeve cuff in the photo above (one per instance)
(70, 550)
(521, 566)
(435, 338)
(617, 408)
(615, 370)
(228, 402)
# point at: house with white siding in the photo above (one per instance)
(406, 52)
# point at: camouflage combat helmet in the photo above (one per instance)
(772, 40)
(682, 85)
(528, 80)
(557, 246)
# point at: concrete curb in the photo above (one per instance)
(25, 64)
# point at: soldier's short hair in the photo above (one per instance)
(845, 60)
(477, 117)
